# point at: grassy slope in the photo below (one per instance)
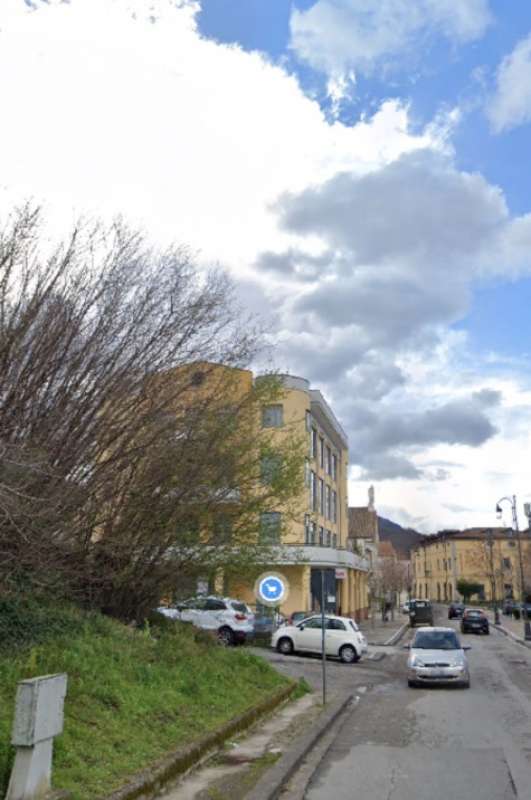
(132, 696)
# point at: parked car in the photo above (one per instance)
(455, 610)
(437, 656)
(232, 619)
(474, 620)
(420, 613)
(343, 638)
(266, 621)
(518, 610)
(405, 607)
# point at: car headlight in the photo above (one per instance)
(416, 662)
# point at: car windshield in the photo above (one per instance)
(436, 640)
(240, 607)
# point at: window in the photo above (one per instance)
(321, 452)
(197, 378)
(313, 491)
(335, 625)
(307, 472)
(214, 605)
(334, 467)
(272, 416)
(511, 544)
(328, 461)
(270, 527)
(313, 528)
(321, 496)
(321, 536)
(334, 540)
(308, 421)
(313, 450)
(314, 622)
(198, 603)
(328, 513)
(269, 468)
(307, 529)
(507, 563)
(334, 506)
(328, 538)
(222, 529)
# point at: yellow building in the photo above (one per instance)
(487, 556)
(315, 537)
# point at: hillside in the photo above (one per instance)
(402, 539)
(133, 695)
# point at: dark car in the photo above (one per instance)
(420, 613)
(455, 611)
(474, 620)
(518, 610)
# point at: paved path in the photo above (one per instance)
(440, 743)
(378, 632)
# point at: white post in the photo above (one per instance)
(38, 718)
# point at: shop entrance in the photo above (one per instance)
(330, 590)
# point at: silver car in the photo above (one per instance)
(437, 656)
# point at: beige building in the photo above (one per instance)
(315, 538)
(487, 556)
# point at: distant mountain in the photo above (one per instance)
(402, 539)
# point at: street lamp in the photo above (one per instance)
(512, 502)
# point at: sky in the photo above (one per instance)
(360, 167)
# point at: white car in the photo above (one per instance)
(343, 638)
(437, 656)
(232, 619)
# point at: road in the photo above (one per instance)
(429, 744)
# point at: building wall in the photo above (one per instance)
(445, 562)
(306, 416)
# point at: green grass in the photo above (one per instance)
(132, 696)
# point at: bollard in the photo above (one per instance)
(38, 718)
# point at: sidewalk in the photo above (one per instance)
(378, 632)
(511, 627)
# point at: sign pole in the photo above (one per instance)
(323, 633)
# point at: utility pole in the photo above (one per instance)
(512, 501)
(323, 636)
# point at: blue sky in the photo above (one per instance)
(444, 77)
(361, 170)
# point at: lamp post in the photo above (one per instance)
(493, 576)
(512, 502)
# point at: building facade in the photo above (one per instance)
(489, 557)
(314, 540)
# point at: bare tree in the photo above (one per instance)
(111, 461)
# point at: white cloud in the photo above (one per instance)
(121, 105)
(511, 103)
(337, 35)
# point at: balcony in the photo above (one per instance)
(319, 556)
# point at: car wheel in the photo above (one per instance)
(285, 646)
(487, 632)
(466, 684)
(225, 637)
(412, 684)
(348, 654)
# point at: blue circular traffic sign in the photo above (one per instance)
(271, 589)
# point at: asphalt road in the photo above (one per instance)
(428, 744)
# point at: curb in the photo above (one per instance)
(513, 636)
(397, 635)
(272, 782)
(149, 783)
